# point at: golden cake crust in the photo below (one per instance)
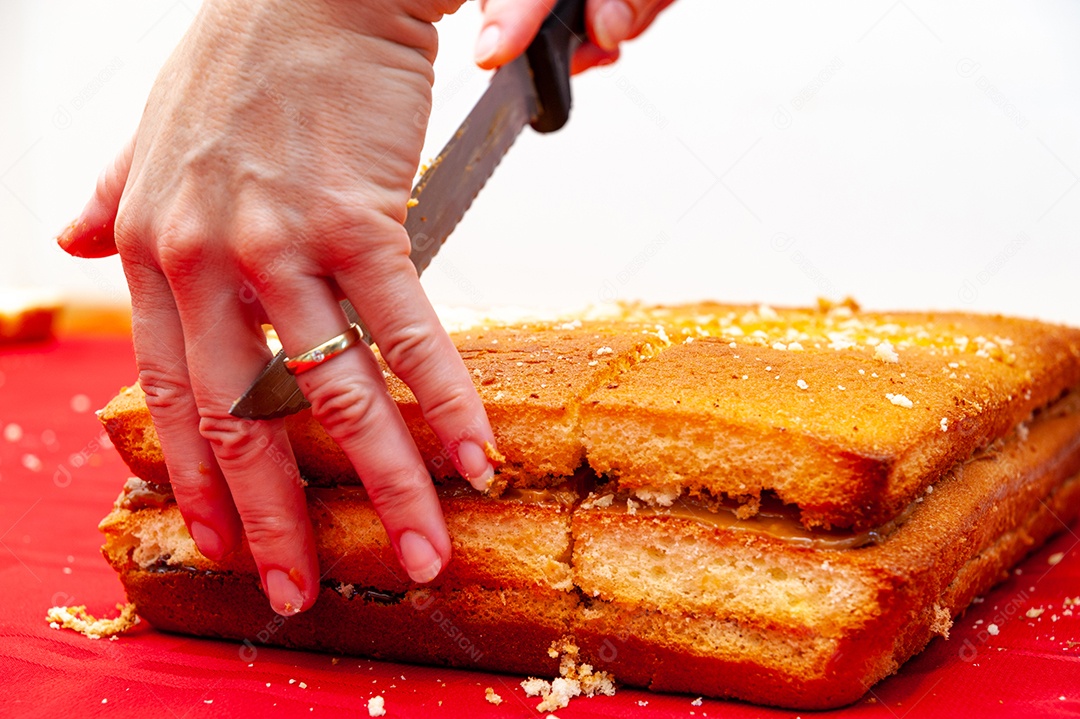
(847, 415)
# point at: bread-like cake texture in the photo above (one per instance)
(846, 415)
(531, 378)
(688, 597)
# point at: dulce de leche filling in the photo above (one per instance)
(779, 522)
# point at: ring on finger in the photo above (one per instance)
(327, 350)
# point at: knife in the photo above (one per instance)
(533, 90)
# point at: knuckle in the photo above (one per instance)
(181, 248)
(358, 232)
(230, 438)
(263, 244)
(450, 403)
(346, 410)
(399, 497)
(409, 350)
(127, 231)
(165, 391)
(265, 527)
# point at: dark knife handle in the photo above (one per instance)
(549, 58)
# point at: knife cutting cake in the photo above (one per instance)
(776, 505)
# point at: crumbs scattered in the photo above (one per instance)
(944, 424)
(1055, 558)
(491, 697)
(574, 680)
(801, 384)
(376, 706)
(77, 619)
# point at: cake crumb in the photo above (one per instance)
(801, 384)
(376, 706)
(944, 424)
(1034, 612)
(493, 455)
(941, 622)
(1055, 558)
(884, 352)
(574, 680)
(491, 697)
(992, 629)
(78, 620)
(899, 400)
(696, 702)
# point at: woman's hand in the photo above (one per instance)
(269, 177)
(510, 25)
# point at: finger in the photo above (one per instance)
(412, 341)
(225, 349)
(591, 55)
(91, 235)
(200, 489)
(611, 22)
(348, 396)
(508, 28)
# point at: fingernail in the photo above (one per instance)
(421, 560)
(612, 22)
(207, 540)
(475, 465)
(285, 597)
(488, 43)
(67, 236)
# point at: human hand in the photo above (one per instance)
(268, 178)
(510, 25)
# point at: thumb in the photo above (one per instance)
(92, 234)
(613, 21)
(508, 28)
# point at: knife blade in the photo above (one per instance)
(533, 89)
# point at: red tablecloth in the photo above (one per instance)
(59, 476)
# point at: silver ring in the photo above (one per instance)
(327, 350)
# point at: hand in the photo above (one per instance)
(269, 177)
(510, 25)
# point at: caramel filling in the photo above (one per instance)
(780, 522)
(140, 494)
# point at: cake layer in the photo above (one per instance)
(847, 415)
(521, 540)
(506, 630)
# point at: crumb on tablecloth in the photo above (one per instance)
(574, 680)
(77, 619)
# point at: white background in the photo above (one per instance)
(907, 153)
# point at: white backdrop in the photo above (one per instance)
(907, 153)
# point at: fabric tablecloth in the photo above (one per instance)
(59, 476)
